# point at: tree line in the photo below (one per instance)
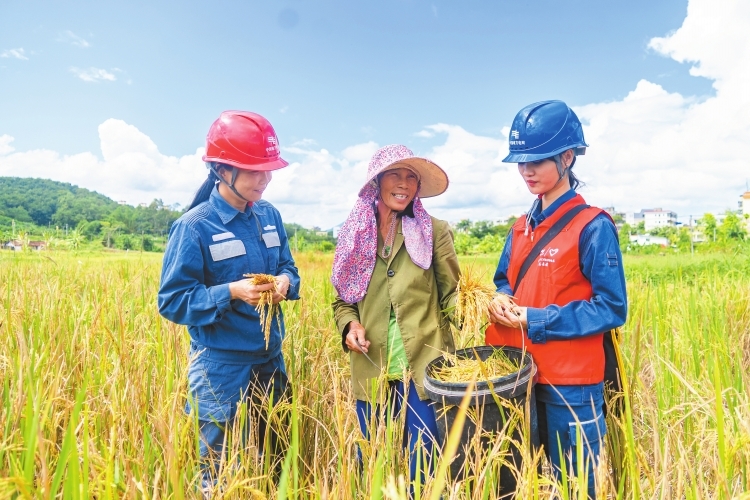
(62, 213)
(65, 215)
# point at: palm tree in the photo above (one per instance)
(110, 229)
(23, 237)
(75, 238)
(47, 236)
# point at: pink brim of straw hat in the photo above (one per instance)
(433, 179)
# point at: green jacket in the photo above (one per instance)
(420, 300)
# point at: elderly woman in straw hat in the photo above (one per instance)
(396, 272)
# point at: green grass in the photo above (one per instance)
(93, 387)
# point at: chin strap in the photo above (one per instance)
(230, 185)
(561, 169)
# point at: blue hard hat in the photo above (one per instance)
(542, 130)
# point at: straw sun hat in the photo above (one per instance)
(433, 179)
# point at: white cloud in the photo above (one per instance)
(94, 74)
(18, 53)
(653, 148)
(131, 167)
(5, 146)
(319, 188)
(70, 37)
(660, 149)
(283, 109)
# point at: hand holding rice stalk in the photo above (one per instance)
(266, 308)
(472, 306)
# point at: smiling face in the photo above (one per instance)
(249, 183)
(398, 187)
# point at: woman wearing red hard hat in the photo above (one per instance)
(227, 232)
(562, 263)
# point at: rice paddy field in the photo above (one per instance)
(93, 386)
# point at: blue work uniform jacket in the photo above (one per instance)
(211, 246)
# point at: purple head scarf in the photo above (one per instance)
(357, 246)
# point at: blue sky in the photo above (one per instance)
(81, 79)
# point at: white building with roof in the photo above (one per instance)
(653, 218)
(657, 217)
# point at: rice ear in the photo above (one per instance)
(266, 308)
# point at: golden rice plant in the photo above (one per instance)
(266, 308)
(474, 297)
(472, 307)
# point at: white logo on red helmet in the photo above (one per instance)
(273, 144)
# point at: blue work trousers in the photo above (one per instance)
(421, 425)
(218, 380)
(569, 415)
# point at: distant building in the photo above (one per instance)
(652, 218)
(659, 218)
(619, 217)
(18, 245)
(647, 239)
(633, 219)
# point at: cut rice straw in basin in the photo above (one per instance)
(266, 308)
(458, 370)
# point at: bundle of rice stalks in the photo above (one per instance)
(474, 298)
(266, 308)
(458, 370)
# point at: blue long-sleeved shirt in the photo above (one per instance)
(211, 246)
(601, 264)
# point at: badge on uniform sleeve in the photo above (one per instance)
(271, 239)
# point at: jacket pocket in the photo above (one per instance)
(228, 262)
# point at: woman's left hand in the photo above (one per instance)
(282, 288)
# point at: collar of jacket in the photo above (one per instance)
(539, 215)
(227, 212)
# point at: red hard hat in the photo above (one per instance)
(244, 140)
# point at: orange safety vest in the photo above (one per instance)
(555, 278)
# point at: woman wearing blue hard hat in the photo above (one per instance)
(562, 263)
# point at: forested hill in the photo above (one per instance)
(45, 203)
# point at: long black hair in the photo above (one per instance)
(204, 191)
(574, 181)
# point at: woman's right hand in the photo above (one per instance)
(356, 332)
(247, 292)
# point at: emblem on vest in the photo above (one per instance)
(546, 257)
